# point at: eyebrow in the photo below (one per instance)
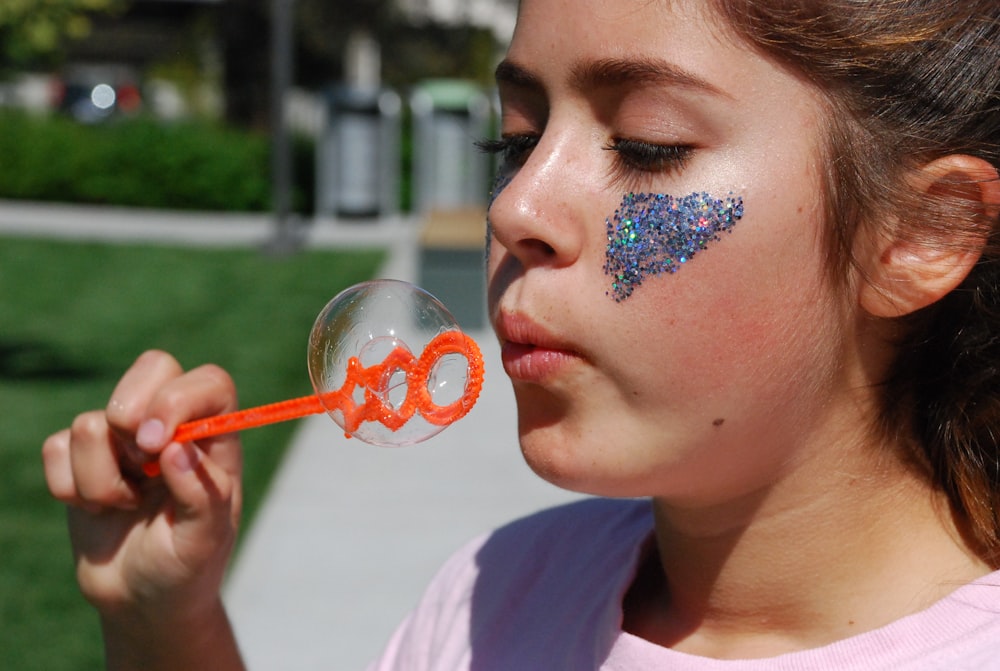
(609, 72)
(508, 72)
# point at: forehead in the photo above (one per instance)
(603, 49)
(615, 24)
(686, 37)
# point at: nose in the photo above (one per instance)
(534, 212)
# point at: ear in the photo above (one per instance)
(910, 272)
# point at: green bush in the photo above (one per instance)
(139, 162)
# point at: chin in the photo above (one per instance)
(570, 446)
(571, 459)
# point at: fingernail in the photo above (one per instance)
(150, 434)
(186, 458)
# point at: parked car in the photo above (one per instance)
(91, 94)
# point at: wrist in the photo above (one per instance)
(201, 639)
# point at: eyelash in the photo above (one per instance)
(632, 156)
(513, 150)
(646, 157)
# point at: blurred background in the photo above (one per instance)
(202, 176)
(253, 70)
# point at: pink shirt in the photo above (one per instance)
(545, 593)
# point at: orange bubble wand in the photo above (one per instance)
(374, 380)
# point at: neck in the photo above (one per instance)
(793, 567)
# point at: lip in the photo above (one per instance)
(529, 352)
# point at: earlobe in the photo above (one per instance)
(912, 269)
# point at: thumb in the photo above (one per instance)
(204, 507)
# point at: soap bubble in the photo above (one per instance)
(366, 351)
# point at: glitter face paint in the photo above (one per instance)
(500, 183)
(655, 233)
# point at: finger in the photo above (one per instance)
(203, 392)
(94, 464)
(131, 397)
(207, 500)
(58, 470)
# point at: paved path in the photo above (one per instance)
(349, 534)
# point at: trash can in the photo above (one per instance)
(450, 190)
(358, 159)
(449, 172)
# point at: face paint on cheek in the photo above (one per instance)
(500, 183)
(654, 233)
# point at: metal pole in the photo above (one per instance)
(282, 176)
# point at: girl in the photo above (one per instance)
(743, 269)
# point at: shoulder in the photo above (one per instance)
(547, 549)
(511, 594)
(591, 526)
(962, 631)
(605, 518)
(528, 574)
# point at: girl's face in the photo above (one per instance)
(680, 341)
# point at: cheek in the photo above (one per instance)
(755, 311)
(729, 354)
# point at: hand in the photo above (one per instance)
(152, 548)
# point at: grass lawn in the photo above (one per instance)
(72, 318)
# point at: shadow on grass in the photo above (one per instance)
(23, 360)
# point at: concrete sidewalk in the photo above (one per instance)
(202, 229)
(349, 534)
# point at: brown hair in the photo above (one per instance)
(909, 81)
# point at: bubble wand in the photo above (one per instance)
(365, 375)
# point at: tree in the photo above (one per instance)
(245, 33)
(322, 27)
(34, 31)
(411, 49)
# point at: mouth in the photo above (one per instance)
(529, 352)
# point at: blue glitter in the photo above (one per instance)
(500, 182)
(655, 233)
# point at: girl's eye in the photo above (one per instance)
(632, 156)
(512, 149)
(646, 157)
